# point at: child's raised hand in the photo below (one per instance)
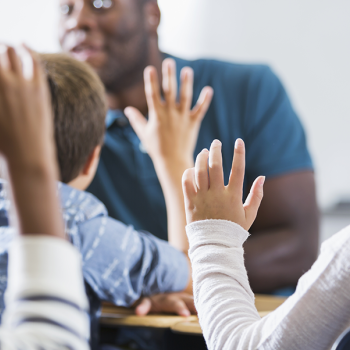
(26, 131)
(172, 128)
(206, 197)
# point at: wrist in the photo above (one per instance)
(38, 169)
(174, 163)
(172, 170)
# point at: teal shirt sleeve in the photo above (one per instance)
(275, 139)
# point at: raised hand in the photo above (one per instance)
(206, 196)
(26, 126)
(170, 136)
(171, 131)
(27, 142)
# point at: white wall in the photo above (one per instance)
(30, 21)
(307, 42)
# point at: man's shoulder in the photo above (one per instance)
(225, 71)
(81, 205)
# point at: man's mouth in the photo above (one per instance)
(85, 52)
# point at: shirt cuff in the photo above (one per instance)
(43, 265)
(222, 232)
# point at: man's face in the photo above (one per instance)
(108, 34)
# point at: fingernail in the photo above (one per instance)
(127, 110)
(210, 91)
(189, 73)
(147, 73)
(216, 143)
(239, 143)
(262, 181)
(205, 150)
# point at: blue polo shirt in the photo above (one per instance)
(249, 102)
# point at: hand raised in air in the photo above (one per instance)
(171, 131)
(206, 196)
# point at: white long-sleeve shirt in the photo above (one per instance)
(311, 319)
(46, 305)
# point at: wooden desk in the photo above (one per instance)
(117, 316)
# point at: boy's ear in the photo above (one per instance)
(92, 162)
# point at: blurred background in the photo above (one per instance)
(306, 42)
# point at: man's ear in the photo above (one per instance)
(152, 16)
(92, 162)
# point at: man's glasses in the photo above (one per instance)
(102, 4)
(96, 4)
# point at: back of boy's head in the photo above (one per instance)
(79, 106)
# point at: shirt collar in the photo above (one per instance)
(116, 116)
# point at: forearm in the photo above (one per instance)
(46, 306)
(170, 177)
(277, 258)
(316, 313)
(284, 237)
(34, 189)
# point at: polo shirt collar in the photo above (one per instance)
(116, 116)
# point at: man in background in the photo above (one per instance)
(118, 38)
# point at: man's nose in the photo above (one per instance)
(82, 18)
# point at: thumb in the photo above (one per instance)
(253, 200)
(144, 307)
(137, 120)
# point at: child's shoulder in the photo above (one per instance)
(79, 205)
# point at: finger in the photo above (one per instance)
(253, 200)
(27, 62)
(4, 62)
(137, 121)
(4, 69)
(238, 167)
(179, 307)
(15, 63)
(186, 89)
(152, 91)
(169, 81)
(3, 65)
(144, 307)
(37, 70)
(203, 103)
(201, 171)
(190, 304)
(216, 175)
(188, 185)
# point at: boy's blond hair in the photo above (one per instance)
(79, 106)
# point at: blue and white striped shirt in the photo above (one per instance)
(119, 263)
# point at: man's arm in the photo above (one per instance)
(284, 238)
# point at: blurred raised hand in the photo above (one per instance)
(27, 142)
(25, 108)
(171, 131)
(170, 136)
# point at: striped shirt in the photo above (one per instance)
(46, 306)
(119, 263)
